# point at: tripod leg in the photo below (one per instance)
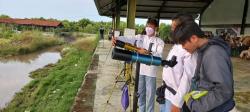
(108, 54)
(112, 90)
(119, 74)
(102, 42)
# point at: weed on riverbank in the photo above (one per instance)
(26, 42)
(55, 86)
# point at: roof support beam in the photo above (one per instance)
(117, 14)
(200, 20)
(131, 9)
(160, 9)
(110, 3)
(113, 21)
(206, 6)
(170, 6)
(113, 4)
(106, 8)
(243, 22)
(193, 1)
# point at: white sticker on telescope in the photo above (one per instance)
(117, 33)
(129, 32)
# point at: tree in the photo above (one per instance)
(4, 16)
(81, 24)
(66, 25)
(139, 28)
(164, 31)
(90, 29)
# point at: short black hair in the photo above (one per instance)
(152, 21)
(181, 18)
(183, 32)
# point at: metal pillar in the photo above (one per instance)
(200, 19)
(117, 22)
(243, 22)
(117, 15)
(131, 9)
(113, 21)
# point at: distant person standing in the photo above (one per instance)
(101, 30)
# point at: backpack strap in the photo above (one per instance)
(197, 72)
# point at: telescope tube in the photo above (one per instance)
(126, 45)
(146, 59)
(124, 55)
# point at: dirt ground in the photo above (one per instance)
(242, 83)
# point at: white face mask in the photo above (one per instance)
(149, 31)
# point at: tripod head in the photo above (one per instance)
(170, 63)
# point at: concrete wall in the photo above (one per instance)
(225, 12)
(248, 14)
(247, 31)
(213, 30)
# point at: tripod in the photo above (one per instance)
(127, 78)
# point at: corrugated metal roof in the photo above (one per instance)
(36, 22)
(164, 9)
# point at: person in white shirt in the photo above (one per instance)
(178, 78)
(147, 77)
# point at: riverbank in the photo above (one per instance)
(27, 42)
(55, 86)
(15, 71)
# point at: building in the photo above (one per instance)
(227, 15)
(33, 23)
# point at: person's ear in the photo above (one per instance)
(194, 39)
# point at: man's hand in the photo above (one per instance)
(175, 109)
(143, 51)
(113, 40)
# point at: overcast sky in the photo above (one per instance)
(72, 10)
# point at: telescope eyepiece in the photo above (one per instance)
(173, 58)
(171, 62)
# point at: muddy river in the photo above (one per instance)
(14, 71)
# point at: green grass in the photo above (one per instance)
(81, 35)
(26, 42)
(55, 87)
